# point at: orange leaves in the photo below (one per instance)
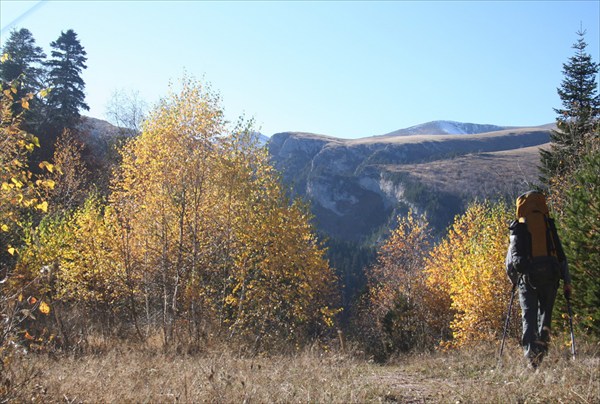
(396, 310)
(460, 285)
(44, 308)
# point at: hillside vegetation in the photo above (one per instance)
(477, 175)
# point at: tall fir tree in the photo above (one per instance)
(581, 235)
(22, 63)
(578, 117)
(67, 95)
(570, 169)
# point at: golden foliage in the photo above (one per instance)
(69, 173)
(19, 189)
(466, 270)
(209, 230)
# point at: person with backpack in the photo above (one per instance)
(535, 263)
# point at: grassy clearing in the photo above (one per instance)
(466, 376)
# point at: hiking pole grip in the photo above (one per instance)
(568, 299)
(512, 298)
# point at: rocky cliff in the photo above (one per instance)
(357, 187)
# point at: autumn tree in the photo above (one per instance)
(209, 229)
(21, 194)
(70, 174)
(162, 194)
(85, 280)
(197, 237)
(395, 314)
(468, 268)
(282, 287)
(21, 190)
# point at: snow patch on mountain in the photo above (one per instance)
(447, 128)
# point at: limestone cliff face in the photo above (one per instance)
(356, 187)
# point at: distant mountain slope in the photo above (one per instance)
(261, 139)
(356, 187)
(446, 128)
(481, 175)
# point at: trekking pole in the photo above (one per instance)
(512, 298)
(568, 299)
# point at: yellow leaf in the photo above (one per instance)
(50, 184)
(4, 227)
(44, 308)
(18, 183)
(20, 298)
(43, 206)
(25, 103)
(11, 250)
(5, 57)
(47, 166)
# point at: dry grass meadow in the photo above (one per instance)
(123, 374)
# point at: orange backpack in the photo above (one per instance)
(533, 235)
(533, 211)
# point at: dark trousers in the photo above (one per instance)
(536, 297)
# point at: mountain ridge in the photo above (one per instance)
(446, 127)
(356, 187)
(438, 128)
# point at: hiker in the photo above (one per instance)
(535, 263)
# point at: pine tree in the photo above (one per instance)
(578, 117)
(22, 64)
(581, 235)
(67, 96)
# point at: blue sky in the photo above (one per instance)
(344, 69)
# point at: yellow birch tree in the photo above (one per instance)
(467, 271)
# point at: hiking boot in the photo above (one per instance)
(536, 360)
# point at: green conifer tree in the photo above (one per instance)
(578, 117)
(67, 95)
(581, 229)
(22, 63)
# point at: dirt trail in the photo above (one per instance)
(406, 387)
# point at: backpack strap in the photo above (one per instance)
(558, 248)
(550, 243)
